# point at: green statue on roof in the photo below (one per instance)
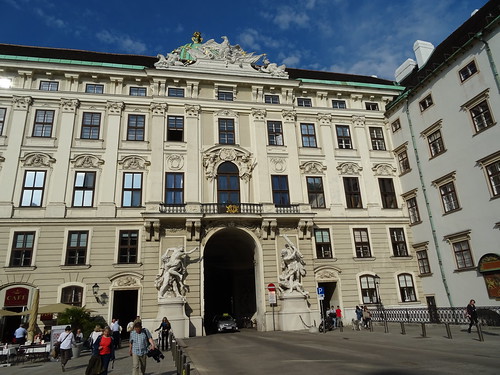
(183, 51)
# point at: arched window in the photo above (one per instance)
(368, 289)
(72, 295)
(228, 183)
(406, 288)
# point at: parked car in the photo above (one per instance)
(225, 322)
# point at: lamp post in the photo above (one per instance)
(379, 301)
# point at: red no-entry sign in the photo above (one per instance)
(271, 287)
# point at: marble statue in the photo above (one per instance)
(170, 280)
(293, 269)
(273, 69)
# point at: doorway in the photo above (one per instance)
(229, 277)
(125, 308)
(329, 300)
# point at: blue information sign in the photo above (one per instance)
(321, 290)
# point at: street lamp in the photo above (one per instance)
(379, 301)
(101, 299)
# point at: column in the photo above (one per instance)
(194, 177)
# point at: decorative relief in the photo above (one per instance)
(158, 109)
(192, 110)
(312, 167)
(326, 275)
(226, 113)
(259, 114)
(21, 102)
(87, 161)
(289, 116)
(349, 168)
(278, 164)
(37, 160)
(358, 120)
(134, 162)
(324, 119)
(126, 281)
(69, 105)
(115, 108)
(384, 169)
(242, 158)
(175, 162)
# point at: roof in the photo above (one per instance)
(445, 50)
(125, 60)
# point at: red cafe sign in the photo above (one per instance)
(16, 297)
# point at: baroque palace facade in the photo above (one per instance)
(107, 161)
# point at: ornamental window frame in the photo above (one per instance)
(78, 248)
(275, 133)
(377, 138)
(271, 99)
(399, 243)
(138, 91)
(323, 243)
(308, 135)
(174, 187)
(361, 241)
(93, 125)
(401, 153)
(352, 195)
(462, 252)
(85, 189)
(368, 289)
(31, 190)
(486, 116)
(304, 102)
(426, 103)
(371, 106)
(133, 132)
(422, 253)
(175, 128)
(434, 140)
(94, 88)
(43, 124)
(226, 93)
(396, 125)
(448, 192)
(468, 71)
(176, 92)
(339, 104)
(406, 287)
(316, 197)
(344, 142)
(280, 190)
(127, 250)
(411, 201)
(49, 86)
(76, 292)
(130, 191)
(492, 175)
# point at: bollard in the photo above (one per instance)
(371, 326)
(341, 327)
(448, 330)
(424, 331)
(386, 327)
(479, 332)
(403, 329)
(187, 369)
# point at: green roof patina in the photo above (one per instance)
(346, 83)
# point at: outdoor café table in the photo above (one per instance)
(8, 352)
(33, 352)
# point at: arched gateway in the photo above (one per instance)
(229, 280)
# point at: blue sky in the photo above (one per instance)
(369, 37)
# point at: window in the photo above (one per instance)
(395, 125)
(49, 85)
(281, 195)
(22, 249)
(403, 161)
(304, 102)
(91, 125)
(33, 188)
(387, 193)
(174, 188)
(463, 254)
(423, 262)
(72, 295)
(76, 251)
(308, 135)
(449, 197)
(406, 288)
(481, 116)
(128, 247)
(398, 242)
(175, 92)
(132, 190)
(467, 71)
(275, 133)
(175, 128)
(83, 195)
(371, 106)
(368, 289)
(352, 192)
(493, 172)
(228, 184)
(272, 99)
(343, 136)
(436, 145)
(226, 95)
(137, 91)
(377, 137)
(323, 243)
(426, 103)
(92, 88)
(339, 104)
(44, 120)
(226, 131)
(2, 119)
(315, 192)
(135, 128)
(362, 243)
(413, 210)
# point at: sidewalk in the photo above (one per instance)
(122, 365)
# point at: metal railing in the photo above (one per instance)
(182, 365)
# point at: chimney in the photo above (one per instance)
(404, 69)
(423, 50)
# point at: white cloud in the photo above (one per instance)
(50, 20)
(124, 42)
(287, 17)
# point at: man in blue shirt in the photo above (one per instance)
(20, 335)
(140, 338)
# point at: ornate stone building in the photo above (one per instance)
(208, 173)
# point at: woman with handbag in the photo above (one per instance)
(104, 348)
(67, 341)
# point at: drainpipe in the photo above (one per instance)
(493, 66)
(429, 211)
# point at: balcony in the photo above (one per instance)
(232, 208)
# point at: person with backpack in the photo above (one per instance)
(140, 338)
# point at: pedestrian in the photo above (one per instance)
(95, 334)
(20, 335)
(164, 329)
(115, 327)
(338, 313)
(357, 320)
(105, 349)
(79, 336)
(367, 317)
(67, 341)
(472, 314)
(138, 348)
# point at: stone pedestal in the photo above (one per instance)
(294, 314)
(173, 309)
